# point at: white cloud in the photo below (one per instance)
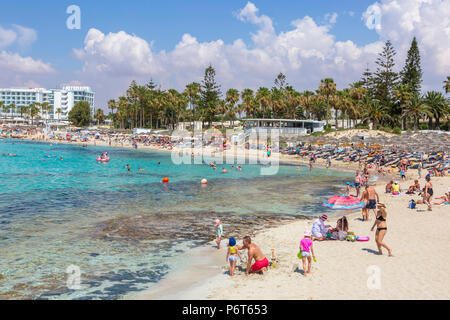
(26, 36)
(13, 62)
(7, 37)
(306, 53)
(23, 36)
(331, 17)
(429, 21)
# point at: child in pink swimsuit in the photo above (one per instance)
(306, 250)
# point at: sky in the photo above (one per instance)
(247, 42)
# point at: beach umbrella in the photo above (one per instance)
(343, 202)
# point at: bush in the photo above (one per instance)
(361, 126)
(386, 129)
(445, 126)
(80, 115)
(397, 130)
(423, 126)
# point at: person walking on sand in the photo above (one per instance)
(373, 198)
(261, 262)
(306, 251)
(232, 255)
(358, 180)
(219, 232)
(380, 223)
(428, 193)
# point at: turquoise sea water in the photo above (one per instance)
(126, 230)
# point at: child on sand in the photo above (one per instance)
(306, 250)
(219, 232)
(232, 255)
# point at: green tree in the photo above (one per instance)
(249, 102)
(411, 75)
(385, 78)
(447, 85)
(99, 116)
(327, 88)
(232, 97)
(210, 95)
(263, 97)
(33, 112)
(59, 112)
(80, 115)
(438, 107)
(192, 92)
(415, 109)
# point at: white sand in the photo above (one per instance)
(420, 241)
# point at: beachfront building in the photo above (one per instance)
(61, 100)
(284, 126)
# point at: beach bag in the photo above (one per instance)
(412, 205)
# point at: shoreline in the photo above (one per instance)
(343, 268)
(216, 285)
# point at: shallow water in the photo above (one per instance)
(127, 230)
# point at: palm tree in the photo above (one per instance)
(248, 102)
(33, 111)
(23, 110)
(447, 85)
(416, 108)
(403, 95)
(112, 105)
(375, 111)
(327, 88)
(192, 92)
(59, 112)
(99, 116)
(438, 107)
(263, 97)
(232, 97)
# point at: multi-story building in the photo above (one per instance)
(61, 100)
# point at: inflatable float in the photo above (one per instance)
(99, 159)
(362, 238)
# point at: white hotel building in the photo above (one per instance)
(64, 99)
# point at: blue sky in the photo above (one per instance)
(163, 23)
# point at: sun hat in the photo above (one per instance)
(217, 222)
(232, 242)
(396, 182)
(307, 233)
(324, 217)
(381, 205)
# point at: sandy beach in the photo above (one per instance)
(344, 270)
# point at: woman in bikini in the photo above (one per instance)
(428, 194)
(380, 223)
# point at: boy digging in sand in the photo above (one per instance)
(306, 250)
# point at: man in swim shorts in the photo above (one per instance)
(261, 262)
(373, 199)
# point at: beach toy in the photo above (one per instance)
(165, 180)
(299, 255)
(204, 181)
(99, 159)
(362, 238)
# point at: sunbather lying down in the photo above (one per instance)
(444, 199)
